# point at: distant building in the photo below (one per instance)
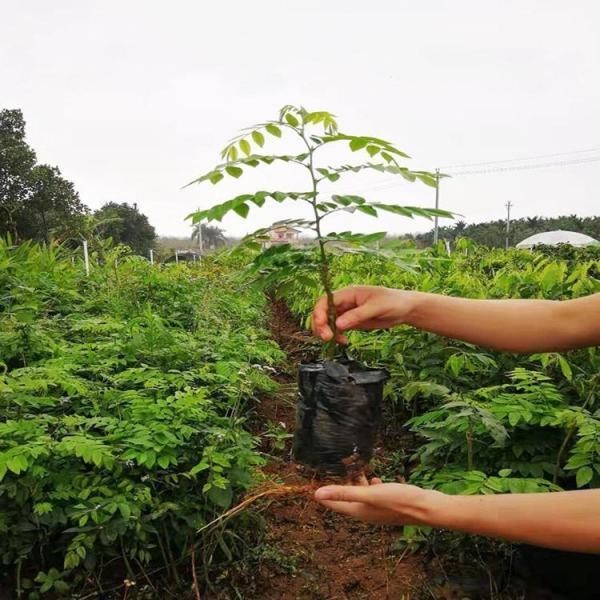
(555, 238)
(184, 256)
(283, 235)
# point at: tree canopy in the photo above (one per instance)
(36, 201)
(212, 236)
(126, 225)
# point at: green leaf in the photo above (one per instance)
(358, 143)
(398, 210)
(242, 210)
(234, 171)
(24, 316)
(259, 138)
(232, 154)
(577, 460)
(291, 119)
(124, 510)
(62, 587)
(368, 210)
(201, 466)
(273, 130)
(215, 177)
(221, 497)
(17, 464)
(245, 147)
(565, 368)
(584, 476)
(456, 364)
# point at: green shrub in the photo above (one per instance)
(484, 421)
(123, 398)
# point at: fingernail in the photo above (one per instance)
(322, 494)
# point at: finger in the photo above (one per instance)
(361, 479)
(375, 481)
(343, 493)
(341, 339)
(320, 326)
(355, 317)
(364, 512)
(352, 509)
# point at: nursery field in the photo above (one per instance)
(139, 404)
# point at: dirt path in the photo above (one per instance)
(311, 553)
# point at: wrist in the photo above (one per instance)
(427, 508)
(414, 303)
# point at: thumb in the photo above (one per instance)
(343, 493)
(355, 317)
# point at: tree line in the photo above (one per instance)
(493, 233)
(38, 203)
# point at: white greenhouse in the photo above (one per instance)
(554, 238)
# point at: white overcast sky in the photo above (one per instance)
(132, 99)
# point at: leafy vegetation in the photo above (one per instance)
(493, 233)
(125, 224)
(123, 400)
(483, 421)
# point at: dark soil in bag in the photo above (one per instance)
(339, 412)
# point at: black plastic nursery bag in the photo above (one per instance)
(339, 412)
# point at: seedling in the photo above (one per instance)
(315, 130)
(336, 433)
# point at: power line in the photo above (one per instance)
(392, 182)
(521, 159)
(545, 165)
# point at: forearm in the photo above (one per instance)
(563, 520)
(512, 325)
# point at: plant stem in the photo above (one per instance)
(325, 269)
(19, 588)
(470, 446)
(194, 576)
(570, 433)
(128, 568)
(170, 555)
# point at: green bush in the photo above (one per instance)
(123, 399)
(484, 421)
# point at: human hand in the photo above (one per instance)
(382, 503)
(363, 307)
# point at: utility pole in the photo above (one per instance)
(437, 205)
(200, 246)
(508, 205)
(86, 258)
